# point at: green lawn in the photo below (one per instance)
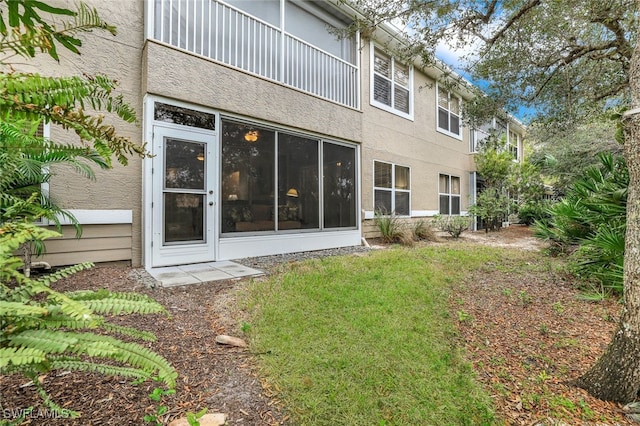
(369, 340)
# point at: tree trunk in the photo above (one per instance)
(616, 375)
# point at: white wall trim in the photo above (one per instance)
(98, 217)
(370, 214)
(380, 105)
(261, 245)
(424, 213)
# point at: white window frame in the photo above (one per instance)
(513, 146)
(393, 190)
(449, 194)
(381, 105)
(449, 113)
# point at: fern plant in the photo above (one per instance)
(42, 329)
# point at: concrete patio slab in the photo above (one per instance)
(196, 273)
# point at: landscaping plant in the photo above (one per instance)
(453, 225)
(42, 329)
(391, 228)
(590, 222)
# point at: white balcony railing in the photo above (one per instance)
(229, 35)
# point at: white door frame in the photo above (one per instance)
(162, 254)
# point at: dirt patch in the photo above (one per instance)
(529, 334)
(525, 332)
(514, 236)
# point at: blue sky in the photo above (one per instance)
(453, 58)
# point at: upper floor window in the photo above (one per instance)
(512, 144)
(449, 113)
(391, 83)
(392, 190)
(477, 137)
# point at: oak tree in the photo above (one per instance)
(572, 60)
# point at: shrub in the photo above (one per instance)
(534, 211)
(492, 207)
(453, 225)
(592, 217)
(391, 229)
(42, 329)
(423, 231)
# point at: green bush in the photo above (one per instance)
(392, 229)
(453, 225)
(422, 230)
(534, 211)
(590, 222)
(42, 329)
(492, 207)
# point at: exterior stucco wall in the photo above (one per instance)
(414, 143)
(170, 73)
(118, 57)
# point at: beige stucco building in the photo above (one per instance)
(268, 134)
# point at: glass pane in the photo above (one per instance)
(298, 183)
(184, 116)
(454, 105)
(382, 202)
(382, 64)
(402, 203)
(382, 90)
(455, 124)
(444, 184)
(443, 119)
(444, 204)
(267, 10)
(401, 99)
(248, 176)
(183, 217)
(184, 164)
(455, 205)
(402, 177)
(472, 140)
(401, 74)
(455, 185)
(339, 171)
(443, 98)
(382, 174)
(311, 24)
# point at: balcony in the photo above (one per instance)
(226, 34)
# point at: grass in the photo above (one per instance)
(368, 340)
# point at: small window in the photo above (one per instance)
(391, 84)
(513, 144)
(449, 106)
(183, 116)
(392, 189)
(449, 194)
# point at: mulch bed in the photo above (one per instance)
(526, 334)
(220, 378)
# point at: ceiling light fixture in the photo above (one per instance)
(251, 136)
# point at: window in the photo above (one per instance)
(449, 192)
(449, 113)
(271, 181)
(478, 136)
(339, 171)
(391, 84)
(513, 144)
(391, 187)
(298, 184)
